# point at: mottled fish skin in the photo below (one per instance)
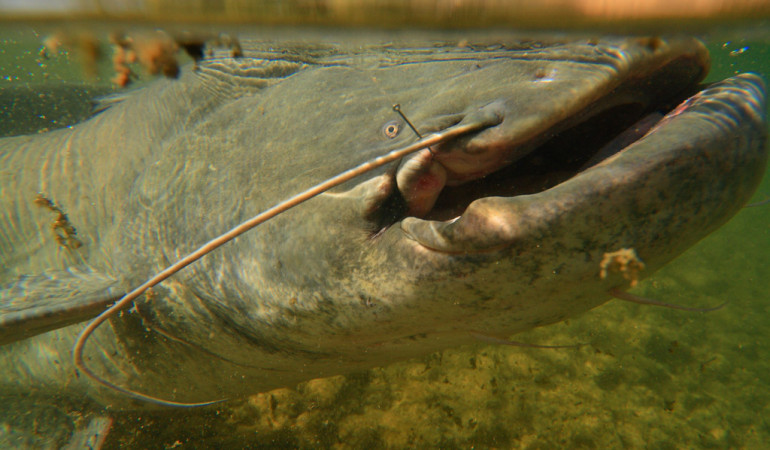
(315, 292)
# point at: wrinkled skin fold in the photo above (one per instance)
(495, 232)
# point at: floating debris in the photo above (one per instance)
(625, 261)
(155, 51)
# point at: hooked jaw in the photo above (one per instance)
(704, 158)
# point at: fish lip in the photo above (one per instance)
(734, 107)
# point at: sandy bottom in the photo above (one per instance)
(645, 377)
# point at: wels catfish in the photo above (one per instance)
(552, 199)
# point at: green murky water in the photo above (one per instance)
(646, 378)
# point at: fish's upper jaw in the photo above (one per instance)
(705, 159)
(422, 176)
(581, 106)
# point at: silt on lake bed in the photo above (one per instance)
(491, 233)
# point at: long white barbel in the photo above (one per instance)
(476, 123)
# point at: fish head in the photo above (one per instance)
(514, 225)
(556, 172)
(508, 225)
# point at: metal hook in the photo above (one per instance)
(397, 108)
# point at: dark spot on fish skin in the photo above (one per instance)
(540, 73)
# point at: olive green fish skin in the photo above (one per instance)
(316, 291)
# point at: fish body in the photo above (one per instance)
(493, 233)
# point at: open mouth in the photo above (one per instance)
(541, 161)
(610, 148)
(562, 156)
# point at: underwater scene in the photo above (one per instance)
(623, 375)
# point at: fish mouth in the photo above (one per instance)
(613, 156)
(563, 155)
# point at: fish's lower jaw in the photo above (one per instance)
(716, 138)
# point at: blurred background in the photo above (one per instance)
(437, 13)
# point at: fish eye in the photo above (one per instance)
(391, 129)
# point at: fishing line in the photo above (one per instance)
(397, 108)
